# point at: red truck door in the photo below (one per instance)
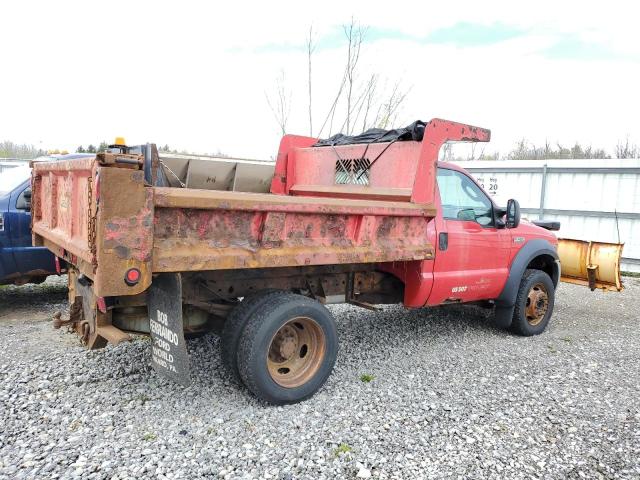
(472, 255)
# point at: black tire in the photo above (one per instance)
(278, 313)
(233, 326)
(525, 323)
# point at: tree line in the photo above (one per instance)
(92, 148)
(10, 149)
(522, 150)
(526, 150)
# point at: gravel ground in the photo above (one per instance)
(451, 397)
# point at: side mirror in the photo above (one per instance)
(24, 200)
(513, 214)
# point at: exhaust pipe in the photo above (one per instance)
(592, 264)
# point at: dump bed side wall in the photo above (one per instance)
(209, 230)
(188, 239)
(62, 207)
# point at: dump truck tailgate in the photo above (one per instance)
(62, 213)
(97, 217)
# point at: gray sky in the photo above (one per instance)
(194, 74)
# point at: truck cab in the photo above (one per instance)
(20, 262)
(475, 249)
(485, 251)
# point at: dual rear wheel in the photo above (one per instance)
(282, 346)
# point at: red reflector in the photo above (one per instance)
(132, 276)
(102, 306)
(58, 269)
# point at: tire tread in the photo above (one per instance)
(248, 347)
(519, 324)
(234, 325)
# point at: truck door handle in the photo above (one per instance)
(443, 241)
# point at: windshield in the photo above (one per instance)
(12, 177)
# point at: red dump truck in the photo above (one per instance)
(367, 223)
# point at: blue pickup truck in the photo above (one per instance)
(20, 262)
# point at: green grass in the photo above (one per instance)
(630, 274)
(149, 437)
(342, 449)
(366, 377)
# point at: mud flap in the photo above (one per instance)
(169, 355)
(504, 316)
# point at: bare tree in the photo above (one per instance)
(447, 152)
(310, 49)
(366, 103)
(332, 109)
(389, 108)
(281, 105)
(364, 100)
(627, 150)
(369, 99)
(475, 146)
(525, 150)
(355, 35)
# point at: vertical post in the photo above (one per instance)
(543, 190)
(436, 133)
(280, 183)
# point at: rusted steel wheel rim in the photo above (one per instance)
(537, 304)
(296, 352)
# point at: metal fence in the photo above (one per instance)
(595, 200)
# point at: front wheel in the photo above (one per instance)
(287, 349)
(534, 303)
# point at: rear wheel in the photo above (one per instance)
(287, 349)
(235, 323)
(534, 303)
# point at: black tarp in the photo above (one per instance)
(415, 132)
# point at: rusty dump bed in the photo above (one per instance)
(326, 206)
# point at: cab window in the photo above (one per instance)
(462, 199)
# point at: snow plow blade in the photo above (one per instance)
(593, 264)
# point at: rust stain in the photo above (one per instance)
(130, 237)
(385, 226)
